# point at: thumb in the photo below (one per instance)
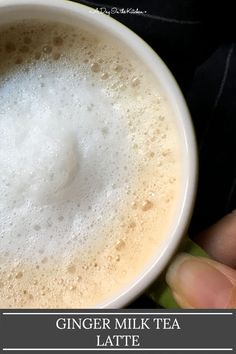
(201, 283)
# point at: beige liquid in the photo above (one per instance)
(90, 167)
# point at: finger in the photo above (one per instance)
(201, 283)
(219, 240)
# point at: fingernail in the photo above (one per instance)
(196, 283)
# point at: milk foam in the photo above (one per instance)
(89, 163)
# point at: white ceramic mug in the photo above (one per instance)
(69, 12)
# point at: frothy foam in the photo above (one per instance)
(89, 163)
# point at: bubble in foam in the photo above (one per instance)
(104, 76)
(56, 56)
(117, 258)
(71, 269)
(37, 227)
(120, 244)
(47, 49)
(135, 81)
(147, 205)
(27, 40)
(24, 49)
(151, 154)
(10, 47)
(19, 275)
(118, 68)
(44, 260)
(72, 288)
(58, 41)
(172, 180)
(95, 67)
(18, 61)
(37, 55)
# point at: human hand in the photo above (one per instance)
(204, 283)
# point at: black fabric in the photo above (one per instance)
(197, 41)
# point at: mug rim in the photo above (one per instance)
(136, 287)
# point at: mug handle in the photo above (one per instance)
(160, 292)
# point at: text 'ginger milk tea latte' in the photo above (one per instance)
(90, 166)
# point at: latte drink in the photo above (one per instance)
(90, 166)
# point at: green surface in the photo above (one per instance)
(160, 292)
